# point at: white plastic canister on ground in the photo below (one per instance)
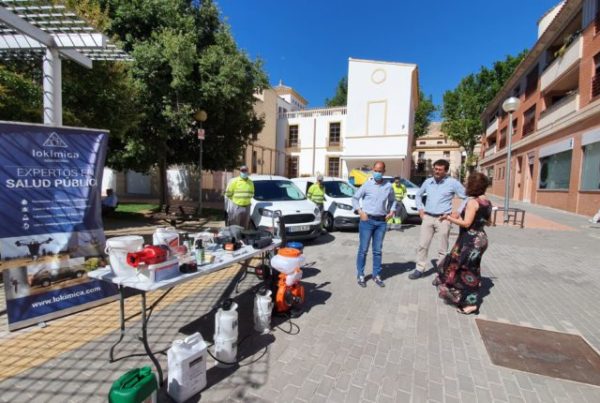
(117, 249)
(166, 236)
(226, 333)
(263, 306)
(187, 367)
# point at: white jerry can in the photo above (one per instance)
(187, 367)
(263, 306)
(226, 333)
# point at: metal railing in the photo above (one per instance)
(309, 113)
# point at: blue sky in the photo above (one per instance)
(307, 43)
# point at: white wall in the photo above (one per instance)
(109, 180)
(384, 89)
(380, 110)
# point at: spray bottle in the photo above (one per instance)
(199, 253)
(226, 333)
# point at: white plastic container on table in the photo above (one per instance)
(117, 249)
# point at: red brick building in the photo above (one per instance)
(556, 138)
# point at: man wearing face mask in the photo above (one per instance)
(239, 193)
(440, 190)
(378, 205)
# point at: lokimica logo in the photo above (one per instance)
(54, 140)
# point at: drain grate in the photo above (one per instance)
(543, 352)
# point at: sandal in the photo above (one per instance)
(468, 310)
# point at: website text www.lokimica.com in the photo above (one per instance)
(64, 297)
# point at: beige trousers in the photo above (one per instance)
(429, 227)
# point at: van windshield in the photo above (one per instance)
(339, 189)
(276, 190)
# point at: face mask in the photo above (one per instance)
(244, 175)
(377, 176)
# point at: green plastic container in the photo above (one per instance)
(135, 386)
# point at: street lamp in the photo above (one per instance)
(510, 105)
(200, 116)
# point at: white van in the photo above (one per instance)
(338, 210)
(279, 194)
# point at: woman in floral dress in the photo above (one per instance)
(459, 274)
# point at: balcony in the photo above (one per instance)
(490, 151)
(292, 145)
(311, 113)
(559, 110)
(492, 128)
(562, 64)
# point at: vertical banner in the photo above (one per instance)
(51, 231)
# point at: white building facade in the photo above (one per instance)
(376, 124)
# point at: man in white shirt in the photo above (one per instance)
(110, 202)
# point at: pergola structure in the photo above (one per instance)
(42, 28)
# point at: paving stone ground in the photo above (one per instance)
(396, 344)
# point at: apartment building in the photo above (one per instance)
(432, 146)
(376, 124)
(556, 139)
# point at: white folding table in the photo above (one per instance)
(222, 260)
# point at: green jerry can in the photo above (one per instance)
(135, 386)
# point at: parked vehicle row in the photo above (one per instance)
(277, 195)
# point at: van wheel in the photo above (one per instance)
(328, 222)
(46, 282)
(79, 274)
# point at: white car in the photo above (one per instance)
(337, 207)
(409, 202)
(278, 194)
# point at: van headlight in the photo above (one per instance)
(344, 206)
(317, 212)
(412, 197)
(265, 213)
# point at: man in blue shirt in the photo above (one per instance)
(378, 205)
(440, 190)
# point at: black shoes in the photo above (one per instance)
(361, 281)
(415, 274)
(379, 281)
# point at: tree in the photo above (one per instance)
(185, 59)
(423, 114)
(20, 96)
(341, 94)
(464, 105)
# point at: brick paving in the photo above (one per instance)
(397, 344)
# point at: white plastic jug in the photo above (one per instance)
(226, 333)
(166, 236)
(263, 306)
(187, 367)
(117, 249)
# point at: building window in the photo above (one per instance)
(422, 143)
(333, 166)
(590, 177)
(334, 134)
(421, 155)
(517, 91)
(254, 162)
(292, 167)
(555, 171)
(515, 126)
(446, 155)
(532, 81)
(529, 121)
(293, 136)
(596, 78)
